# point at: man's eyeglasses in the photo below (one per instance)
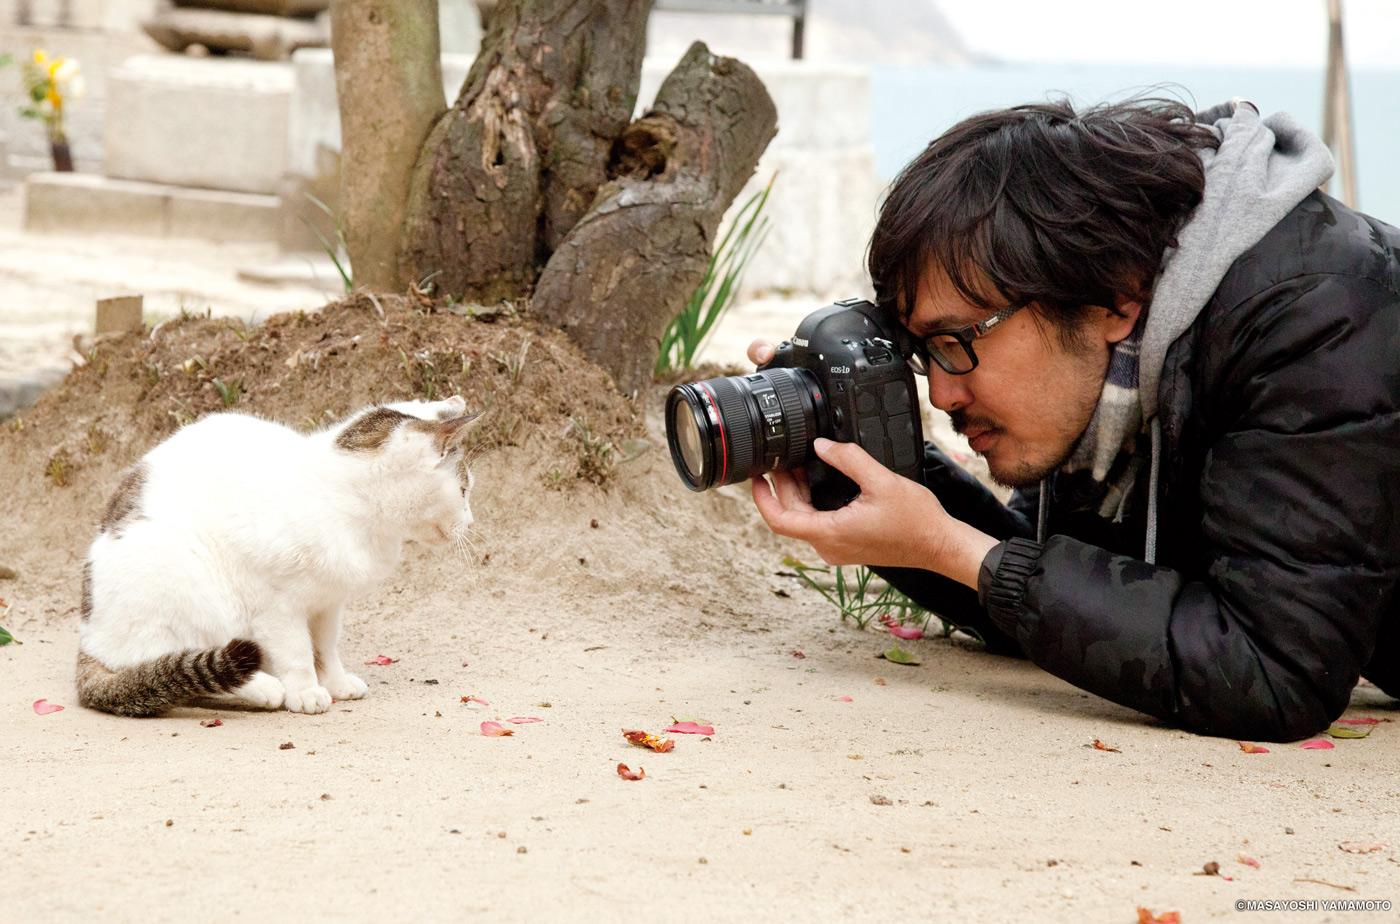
(952, 348)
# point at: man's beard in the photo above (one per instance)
(1026, 472)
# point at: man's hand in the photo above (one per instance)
(894, 521)
(760, 351)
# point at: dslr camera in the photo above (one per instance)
(844, 375)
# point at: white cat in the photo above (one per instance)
(227, 552)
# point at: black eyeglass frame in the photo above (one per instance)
(923, 352)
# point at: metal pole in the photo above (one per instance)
(1336, 107)
(799, 27)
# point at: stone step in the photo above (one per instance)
(87, 203)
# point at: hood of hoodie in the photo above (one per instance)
(1263, 168)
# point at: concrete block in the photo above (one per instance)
(84, 203)
(211, 123)
(215, 215)
(119, 315)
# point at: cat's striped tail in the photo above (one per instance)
(168, 681)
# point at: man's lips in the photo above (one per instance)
(980, 439)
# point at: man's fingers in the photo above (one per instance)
(790, 493)
(795, 524)
(851, 461)
(760, 351)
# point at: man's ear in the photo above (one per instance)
(1117, 327)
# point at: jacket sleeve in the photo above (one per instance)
(966, 499)
(1263, 632)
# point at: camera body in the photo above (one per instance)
(843, 375)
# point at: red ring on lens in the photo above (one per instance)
(723, 445)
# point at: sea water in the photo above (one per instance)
(911, 105)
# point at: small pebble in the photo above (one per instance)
(703, 860)
(1287, 830)
(521, 849)
(169, 822)
(286, 746)
(748, 831)
(326, 797)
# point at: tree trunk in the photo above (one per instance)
(630, 265)
(517, 160)
(388, 78)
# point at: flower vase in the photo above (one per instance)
(62, 157)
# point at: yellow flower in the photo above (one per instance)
(39, 57)
(64, 69)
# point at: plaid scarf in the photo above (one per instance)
(1113, 430)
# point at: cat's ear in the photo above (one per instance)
(445, 433)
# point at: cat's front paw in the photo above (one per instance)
(262, 690)
(311, 700)
(347, 686)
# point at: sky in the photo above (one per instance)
(1220, 33)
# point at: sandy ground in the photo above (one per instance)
(965, 788)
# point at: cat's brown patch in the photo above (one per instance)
(370, 431)
(126, 502)
(444, 432)
(86, 609)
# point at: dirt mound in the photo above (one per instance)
(559, 450)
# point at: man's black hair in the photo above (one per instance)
(1040, 204)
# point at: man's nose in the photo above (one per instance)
(947, 392)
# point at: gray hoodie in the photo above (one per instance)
(1263, 168)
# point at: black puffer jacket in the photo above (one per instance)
(1279, 510)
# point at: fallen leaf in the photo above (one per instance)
(495, 730)
(522, 720)
(1251, 748)
(1317, 745)
(1212, 868)
(897, 655)
(1100, 746)
(878, 799)
(798, 654)
(1361, 847)
(907, 632)
(842, 699)
(1343, 731)
(5, 636)
(690, 728)
(642, 740)
(44, 707)
(475, 699)
(1166, 917)
(212, 723)
(879, 681)
(381, 659)
(627, 774)
(1247, 860)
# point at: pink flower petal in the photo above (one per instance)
(842, 699)
(382, 659)
(495, 730)
(44, 707)
(1358, 721)
(690, 728)
(906, 631)
(522, 720)
(215, 723)
(1317, 745)
(474, 699)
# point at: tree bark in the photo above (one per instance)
(517, 160)
(388, 77)
(633, 261)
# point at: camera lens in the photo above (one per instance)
(726, 430)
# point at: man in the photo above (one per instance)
(1187, 362)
